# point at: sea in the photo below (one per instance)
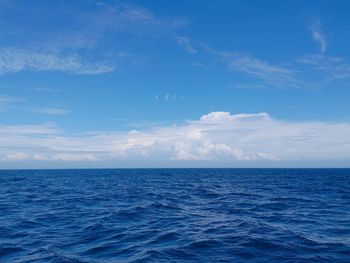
(175, 215)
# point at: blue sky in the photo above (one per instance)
(174, 83)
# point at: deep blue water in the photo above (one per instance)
(175, 215)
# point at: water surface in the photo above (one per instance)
(175, 215)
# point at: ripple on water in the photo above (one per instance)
(165, 215)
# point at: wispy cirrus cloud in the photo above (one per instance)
(28, 130)
(7, 101)
(185, 43)
(269, 74)
(84, 24)
(216, 136)
(16, 60)
(247, 86)
(46, 89)
(317, 34)
(10, 102)
(78, 45)
(169, 97)
(332, 67)
(50, 110)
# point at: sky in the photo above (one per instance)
(154, 83)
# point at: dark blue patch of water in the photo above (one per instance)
(175, 215)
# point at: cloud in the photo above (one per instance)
(46, 89)
(271, 75)
(131, 17)
(73, 157)
(50, 110)
(196, 63)
(264, 74)
(15, 60)
(18, 156)
(5, 101)
(126, 17)
(66, 157)
(333, 67)
(247, 86)
(216, 136)
(46, 129)
(169, 97)
(84, 25)
(318, 35)
(185, 43)
(83, 39)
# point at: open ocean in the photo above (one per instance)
(175, 215)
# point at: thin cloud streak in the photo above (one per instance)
(16, 60)
(269, 74)
(46, 89)
(333, 67)
(185, 43)
(50, 111)
(74, 51)
(7, 101)
(318, 35)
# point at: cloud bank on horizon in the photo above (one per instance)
(93, 83)
(216, 136)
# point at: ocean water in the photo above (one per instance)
(175, 215)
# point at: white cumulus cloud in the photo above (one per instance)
(216, 136)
